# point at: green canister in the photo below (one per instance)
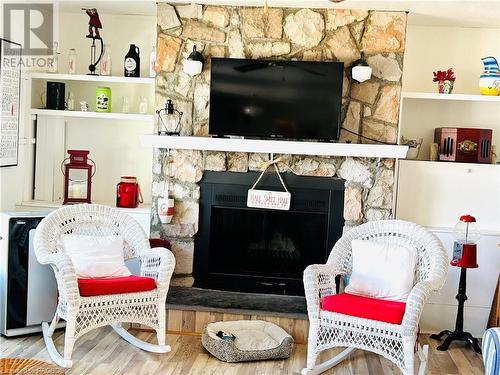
(103, 99)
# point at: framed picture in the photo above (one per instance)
(10, 87)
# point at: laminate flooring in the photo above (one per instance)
(102, 352)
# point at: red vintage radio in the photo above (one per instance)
(464, 144)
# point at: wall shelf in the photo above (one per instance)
(456, 97)
(275, 146)
(100, 115)
(92, 78)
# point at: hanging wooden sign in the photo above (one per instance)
(272, 200)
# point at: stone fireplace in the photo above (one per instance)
(369, 109)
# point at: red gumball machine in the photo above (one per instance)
(464, 256)
(78, 175)
(465, 247)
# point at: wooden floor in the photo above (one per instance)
(102, 352)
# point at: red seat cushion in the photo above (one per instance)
(365, 307)
(116, 285)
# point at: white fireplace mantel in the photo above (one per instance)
(274, 146)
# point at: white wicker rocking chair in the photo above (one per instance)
(83, 314)
(396, 342)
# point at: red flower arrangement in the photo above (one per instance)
(441, 75)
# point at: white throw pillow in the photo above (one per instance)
(382, 270)
(95, 257)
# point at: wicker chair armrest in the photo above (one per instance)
(159, 264)
(414, 306)
(319, 281)
(65, 276)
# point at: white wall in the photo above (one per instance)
(438, 48)
(436, 194)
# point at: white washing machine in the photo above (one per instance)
(28, 290)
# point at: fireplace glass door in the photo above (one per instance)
(264, 242)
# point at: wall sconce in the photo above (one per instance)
(169, 119)
(360, 70)
(193, 65)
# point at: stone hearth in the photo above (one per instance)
(196, 299)
(370, 108)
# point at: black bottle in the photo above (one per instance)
(132, 63)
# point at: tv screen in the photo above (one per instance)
(275, 99)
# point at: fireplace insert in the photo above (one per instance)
(246, 249)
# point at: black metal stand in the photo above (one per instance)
(93, 60)
(459, 333)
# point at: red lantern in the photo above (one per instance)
(78, 175)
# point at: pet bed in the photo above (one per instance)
(246, 340)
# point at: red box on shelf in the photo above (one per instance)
(464, 144)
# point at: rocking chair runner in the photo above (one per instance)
(83, 314)
(395, 342)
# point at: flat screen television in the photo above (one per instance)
(275, 99)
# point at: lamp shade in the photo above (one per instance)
(361, 73)
(193, 65)
(360, 70)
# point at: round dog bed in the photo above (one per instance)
(253, 340)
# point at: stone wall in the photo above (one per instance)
(370, 108)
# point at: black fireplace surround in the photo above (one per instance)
(238, 248)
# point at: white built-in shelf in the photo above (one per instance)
(49, 206)
(275, 146)
(457, 97)
(92, 78)
(99, 115)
